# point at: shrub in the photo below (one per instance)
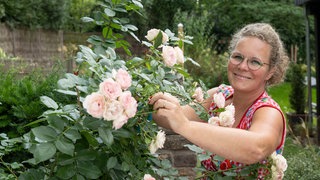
(303, 162)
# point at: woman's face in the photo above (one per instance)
(241, 77)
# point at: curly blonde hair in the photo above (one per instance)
(265, 32)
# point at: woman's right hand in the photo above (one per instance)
(169, 114)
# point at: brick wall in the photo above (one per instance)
(183, 159)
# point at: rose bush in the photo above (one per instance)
(108, 133)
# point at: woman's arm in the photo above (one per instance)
(246, 146)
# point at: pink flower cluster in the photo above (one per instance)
(172, 55)
(158, 142)
(226, 117)
(278, 167)
(198, 95)
(113, 102)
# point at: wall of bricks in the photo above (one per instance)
(183, 159)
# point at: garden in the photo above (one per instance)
(95, 122)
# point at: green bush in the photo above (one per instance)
(303, 162)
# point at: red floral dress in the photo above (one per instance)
(264, 100)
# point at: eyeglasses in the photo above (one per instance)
(253, 63)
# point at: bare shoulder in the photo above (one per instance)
(268, 117)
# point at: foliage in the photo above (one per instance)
(230, 15)
(297, 95)
(303, 161)
(66, 142)
(19, 97)
(34, 13)
(212, 65)
(161, 13)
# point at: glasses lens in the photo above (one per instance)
(236, 59)
(254, 64)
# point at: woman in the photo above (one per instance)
(257, 60)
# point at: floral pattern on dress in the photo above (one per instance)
(245, 123)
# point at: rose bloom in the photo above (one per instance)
(123, 78)
(113, 110)
(129, 104)
(95, 105)
(214, 120)
(110, 88)
(226, 118)
(148, 177)
(153, 33)
(198, 95)
(153, 147)
(119, 122)
(169, 56)
(179, 54)
(219, 100)
(230, 108)
(279, 166)
(161, 138)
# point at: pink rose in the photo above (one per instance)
(160, 139)
(153, 33)
(214, 120)
(148, 177)
(113, 110)
(219, 100)
(120, 121)
(123, 78)
(179, 55)
(110, 88)
(153, 147)
(226, 118)
(198, 95)
(129, 103)
(169, 56)
(95, 104)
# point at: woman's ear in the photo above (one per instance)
(270, 73)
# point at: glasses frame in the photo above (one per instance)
(236, 62)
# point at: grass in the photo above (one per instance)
(280, 94)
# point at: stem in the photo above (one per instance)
(5, 164)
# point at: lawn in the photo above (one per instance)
(280, 94)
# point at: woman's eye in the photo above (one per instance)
(255, 62)
(238, 57)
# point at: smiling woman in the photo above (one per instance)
(258, 127)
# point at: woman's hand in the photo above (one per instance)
(169, 114)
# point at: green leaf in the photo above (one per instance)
(64, 145)
(194, 148)
(106, 135)
(66, 83)
(112, 162)
(158, 40)
(92, 123)
(44, 151)
(50, 103)
(89, 170)
(66, 172)
(56, 122)
(91, 140)
(73, 93)
(73, 134)
(86, 155)
(87, 19)
(109, 12)
(45, 133)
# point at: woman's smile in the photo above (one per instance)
(240, 76)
